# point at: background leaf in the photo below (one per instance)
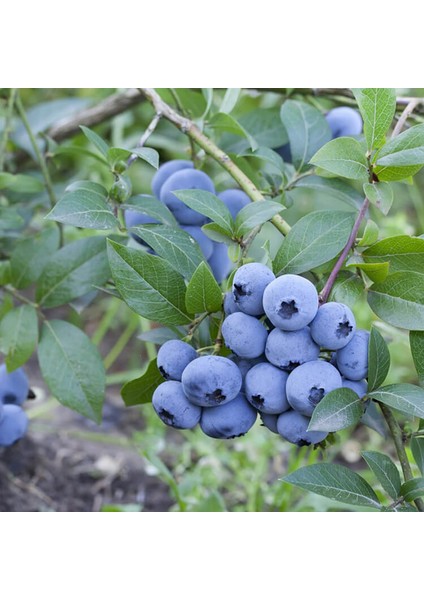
(18, 335)
(416, 340)
(417, 447)
(399, 300)
(378, 360)
(386, 472)
(405, 397)
(140, 390)
(377, 107)
(203, 293)
(31, 255)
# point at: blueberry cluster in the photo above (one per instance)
(181, 175)
(14, 390)
(287, 354)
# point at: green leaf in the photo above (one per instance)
(140, 390)
(417, 447)
(412, 489)
(209, 205)
(4, 272)
(314, 240)
(216, 233)
(18, 336)
(380, 195)
(149, 205)
(416, 340)
(148, 284)
(378, 360)
(31, 255)
(174, 245)
(377, 272)
(335, 482)
(403, 252)
(404, 397)
(149, 155)
(338, 409)
(377, 107)
(274, 162)
(343, 156)
(263, 124)
(88, 186)
(10, 218)
(73, 271)
(83, 208)
(374, 419)
(79, 152)
(96, 140)
(21, 183)
(72, 368)
(333, 188)
(307, 130)
(203, 293)
(402, 156)
(370, 235)
(386, 472)
(224, 122)
(399, 300)
(230, 100)
(347, 288)
(255, 213)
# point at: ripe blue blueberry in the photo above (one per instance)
(360, 387)
(220, 262)
(344, 121)
(270, 421)
(352, 360)
(290, 302)
(265, 387)
(13, 424)
(285, 153)
(309, 383)
(289, 349)
(292, 426)
(234, 200)
(249, 284)
(14, 386)
(173, 408)
(230, 420)
(211, 381)
(205, 243)
(133, 218)
(245, 364)
(230, 306)
(187, 179)
(244, 335)
(173, 357)
(334, 326)
(165, 171)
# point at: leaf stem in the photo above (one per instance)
(147, 133)
(194, 133)
(7, 126)
(397, 435)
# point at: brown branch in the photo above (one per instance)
(193, 132)
(410, 107)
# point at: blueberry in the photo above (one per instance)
(133, 218)
(234, 200)
(165, 171)
(249, 284)
(230, 420)
(290, 302)
(173, 407)
(13, 425)
(14, 386)
(211, 380)
(205, 243)
(245, 364)
(360, 387)
(289, 349)
(292, 426)
(285, 153)
(270, 421)
(230, 306)
(309, 383)
(244, 335)
(187, 179)
(344, 121)
(334, 326)
(173, 357)
(266, 388)
(220, 262)
(352, 360)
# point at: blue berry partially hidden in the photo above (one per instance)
(334, 326)
(14, 386)
(344, 121)
(293, 426)
(265, 387)
(165, 171)
(308, 384)
(13, 425)
(289, 349)
(234, 200)
(244, 335)
(173, 357)
(230, 420)
(249, 284)
(211, 381)
(173, 408)
(187, 179)
(352, 360)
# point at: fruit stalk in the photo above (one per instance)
(193, 132)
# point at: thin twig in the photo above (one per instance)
(339, 264)
(189, 128)
(410, 107)
(148, 132)
(7, 126)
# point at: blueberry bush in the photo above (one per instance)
(271, 244)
